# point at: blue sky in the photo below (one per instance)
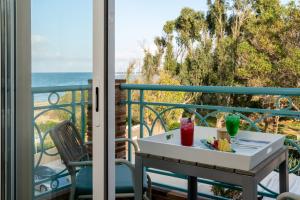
(62, 31)
(61, 35)
(139, 21)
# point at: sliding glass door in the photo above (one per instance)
(58, 88)
(62, 76)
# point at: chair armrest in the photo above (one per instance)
(81, 163)
(135, 146)
(288, 196)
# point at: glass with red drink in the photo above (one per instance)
(187, 131)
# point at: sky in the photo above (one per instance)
(61, 35)
(62, 31)
(138, 22)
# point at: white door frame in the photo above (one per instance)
(104, 118)
(17, 127)
(111, 134)
(8, 55)
(23, 102)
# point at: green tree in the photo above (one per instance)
(170, 61)
(236, 43)
(152, 62)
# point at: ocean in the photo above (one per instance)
(58, 79)
(61, 79)
(66, 78)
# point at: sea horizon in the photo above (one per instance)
(53, 79)
(46, 79)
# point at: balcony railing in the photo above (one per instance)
(52, 105)
(71, 102)
(278, 103)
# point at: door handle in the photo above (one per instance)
(96, 103)
(97, 99)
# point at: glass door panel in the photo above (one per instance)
(62, 73)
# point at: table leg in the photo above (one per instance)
(249, 189)
(284, 175)
(192, 188)
(139, 176)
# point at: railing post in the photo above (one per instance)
(129, 122)
(73, 107)
(82, 105)
(33, 122)
(141, 113)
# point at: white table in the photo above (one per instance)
(247, 179)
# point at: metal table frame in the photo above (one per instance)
(248, 180)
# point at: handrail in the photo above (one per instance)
(60, 88)
(215, 89)
(160, 108)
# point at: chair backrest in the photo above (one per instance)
(69, 143)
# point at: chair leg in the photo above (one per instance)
(149, 190)
(73, 185)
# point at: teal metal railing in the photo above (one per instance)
(52, 105)
(280, 104)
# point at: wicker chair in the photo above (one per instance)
(75, 156)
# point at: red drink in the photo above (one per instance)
(187, 131)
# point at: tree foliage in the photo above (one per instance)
(237, 42)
